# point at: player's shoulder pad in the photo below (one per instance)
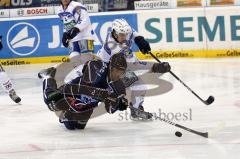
(78, 7)
(93, 70)
(59, 10)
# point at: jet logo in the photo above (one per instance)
(23, 39)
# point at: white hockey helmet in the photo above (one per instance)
(121, 26)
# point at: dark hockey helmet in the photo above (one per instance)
(118, 61)
(117, 67)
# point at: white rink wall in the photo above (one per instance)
(183, 32)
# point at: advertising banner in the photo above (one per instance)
(189, 3)
(4, 13)
(41, 37)
(221, 2)
(9, 4)
(36, 11)
(199, 32)
(140, 5)
(194, 33)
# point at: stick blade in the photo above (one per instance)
(210, 100)
(205, 135)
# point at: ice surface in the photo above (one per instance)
(31, 131)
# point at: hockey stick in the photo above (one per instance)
(205, 134)
(210, 99)
(102, 94)
(144, 114)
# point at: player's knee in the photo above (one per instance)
(50, 96)
(72, 125)
(69, 125)
(55, 96)
(53, 101)
(80, 126)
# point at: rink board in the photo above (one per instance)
(172, 33)
(159, 54)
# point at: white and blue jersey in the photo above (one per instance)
(76, 15)
(111, 47)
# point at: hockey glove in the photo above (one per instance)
(114, 104)
(65, 39)
(73, 32)
(161, 67)
(122, 104)
(142, 44)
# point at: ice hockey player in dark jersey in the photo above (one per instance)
(100, 82)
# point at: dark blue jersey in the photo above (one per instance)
(95, 75)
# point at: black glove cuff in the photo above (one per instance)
(73, 32)
(138, 40)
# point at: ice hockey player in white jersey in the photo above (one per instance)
(120, 40)
(6, 83)
(78, 31)
(78, 34)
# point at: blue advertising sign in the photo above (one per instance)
(32, 38)
(42, 37)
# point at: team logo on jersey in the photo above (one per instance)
(23, 39)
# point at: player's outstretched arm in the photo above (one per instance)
(142, 44)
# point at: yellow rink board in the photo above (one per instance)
(159, 54)
(192, 54)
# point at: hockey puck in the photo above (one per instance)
(210, 100)
(178, 134)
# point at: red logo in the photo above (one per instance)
(37, 11)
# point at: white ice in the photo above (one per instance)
(31, 131)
